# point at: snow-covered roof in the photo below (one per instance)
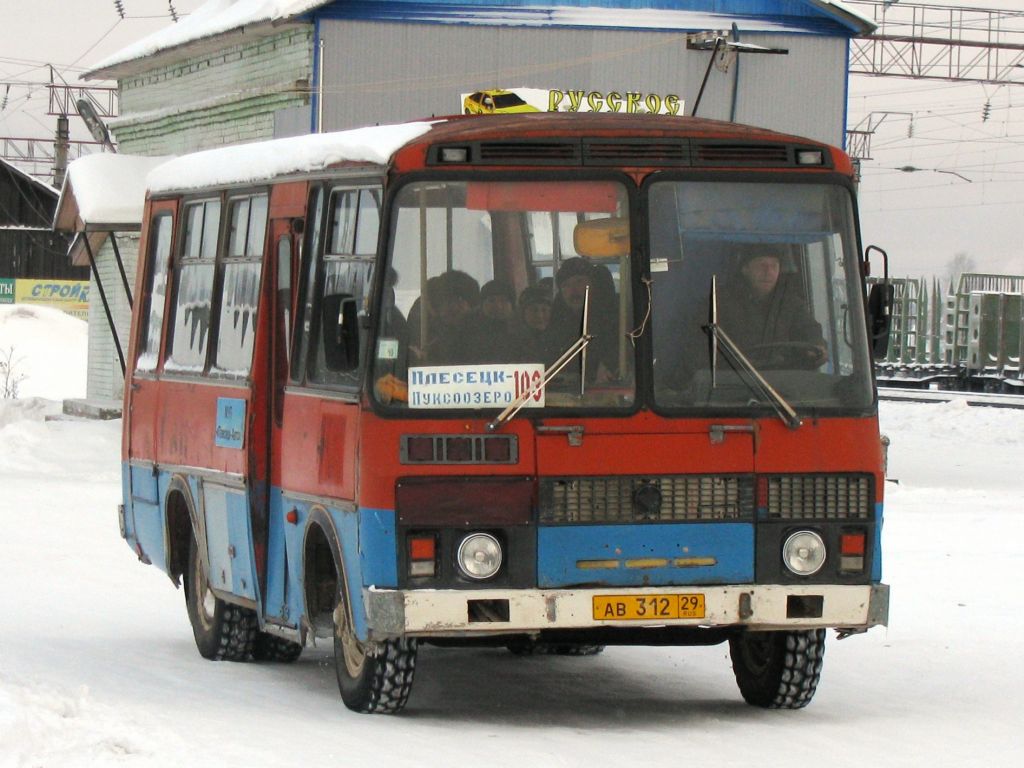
(104, 191)
(248, 163)
(218, 17)
(212, 18)
(42, 185)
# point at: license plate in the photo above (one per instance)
(648, 607)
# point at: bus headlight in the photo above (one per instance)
(804, 553)
(479, 556)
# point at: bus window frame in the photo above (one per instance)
(312, 261)
(159, 209)
(223, 259)
(639, 270)
(225, 198)
(826, 177)
(178, 261)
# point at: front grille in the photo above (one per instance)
(743, 155)
(528, 152)
(828, 497)
(646, 499)
(630, 152)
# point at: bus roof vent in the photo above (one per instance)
(715, 153)
(528, 153)
(636, 152)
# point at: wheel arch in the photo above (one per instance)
(182, 524)
(323, 570)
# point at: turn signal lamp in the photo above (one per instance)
(422, 555)
(851, 551)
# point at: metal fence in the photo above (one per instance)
(970, 336)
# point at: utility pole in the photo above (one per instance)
(60, 151)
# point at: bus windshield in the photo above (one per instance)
(774, 267)
(486, 287)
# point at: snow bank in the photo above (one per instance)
(45, 351)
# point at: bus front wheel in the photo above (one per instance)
(223, 632)
(778, 670)
(375, 678)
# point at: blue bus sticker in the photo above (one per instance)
(230, 422)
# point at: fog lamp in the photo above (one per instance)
(479, 556)
(804, 553)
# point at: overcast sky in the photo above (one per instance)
(967, 198)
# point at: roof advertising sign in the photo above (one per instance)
(518, 100)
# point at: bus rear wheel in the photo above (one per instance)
(223, 632)
(374, 678)
(778, 670)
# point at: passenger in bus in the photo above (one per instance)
(498, 305)
(455, 334)
(574, 278)
(530, 340)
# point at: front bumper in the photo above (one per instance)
(457, 613)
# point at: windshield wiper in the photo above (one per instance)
(578, 347)
(717, 337)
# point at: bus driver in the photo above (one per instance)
(766, 316)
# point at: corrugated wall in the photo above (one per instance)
(387, 72)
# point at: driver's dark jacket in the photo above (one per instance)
(780, 317)
(751, 322)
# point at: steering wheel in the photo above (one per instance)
(804, 355)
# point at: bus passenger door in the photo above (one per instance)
(143, 521)
(287, 211)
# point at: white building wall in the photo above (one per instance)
(376, 72)
(104, 379)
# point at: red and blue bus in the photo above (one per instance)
(495, 381)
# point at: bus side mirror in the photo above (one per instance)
(880, 318)
(879, 309)
(340, 332)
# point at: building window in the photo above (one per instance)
(242, 269)
(194, 290)
(155, 291)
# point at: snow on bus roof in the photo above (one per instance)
(245, 163)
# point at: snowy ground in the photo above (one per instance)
(98, 666)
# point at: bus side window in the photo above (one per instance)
(306, 283)
(155, 292)
(193, 296)
(240, 284)
(344, 285)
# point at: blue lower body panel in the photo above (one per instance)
(648, 555)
